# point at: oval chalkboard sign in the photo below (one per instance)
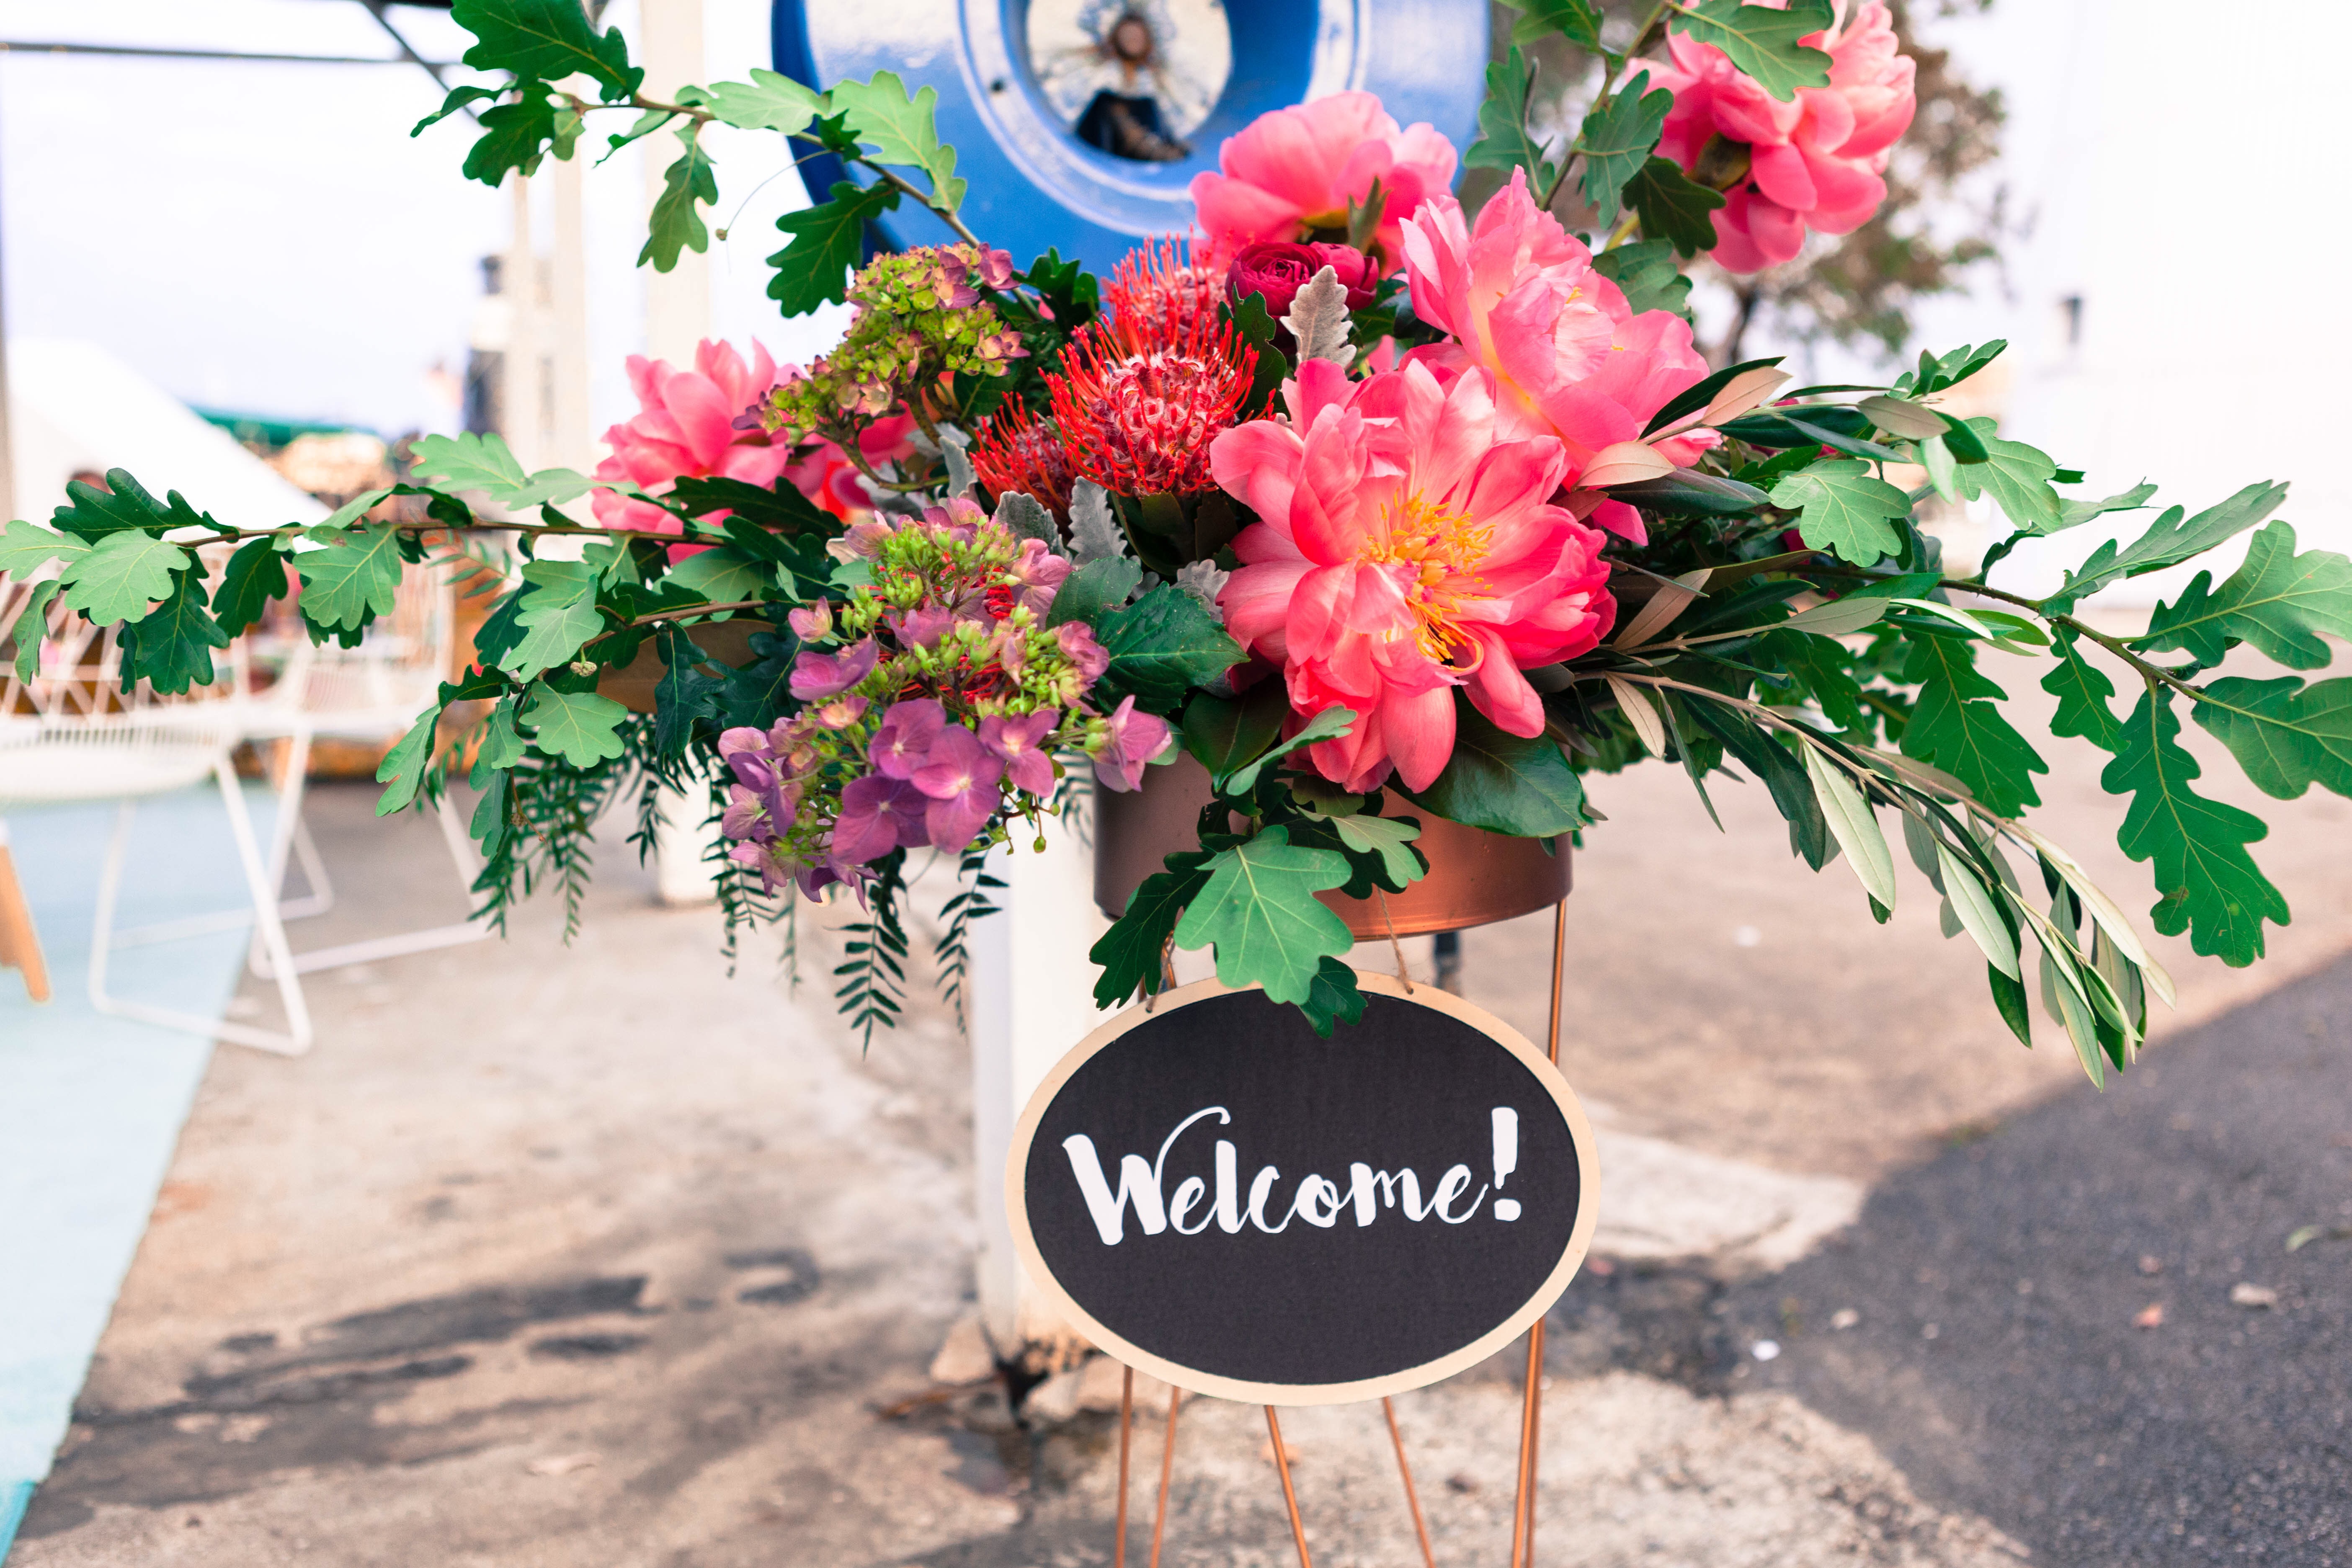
(1216, 1196)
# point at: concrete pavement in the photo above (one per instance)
(536, 1262)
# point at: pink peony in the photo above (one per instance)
(1569, 357)
(1815, 160)
(685, 428)
(1290, 173)
(1408, 546)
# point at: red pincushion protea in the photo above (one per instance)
(1138, 420)
(1158, 291)
(1017, 451)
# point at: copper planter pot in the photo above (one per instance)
(1475, 878)
(631, 684)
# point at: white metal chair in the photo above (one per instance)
(69, 733)
(371, 693)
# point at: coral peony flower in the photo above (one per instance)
(1569, 357)
(685, 428)
(1279, 270)
(1291, 173)
(1407, 547)
(1814, 161)
(824, 474)
(1137, 420)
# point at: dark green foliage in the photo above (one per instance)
(1503, 783)
(828, 241)
(1673, 207)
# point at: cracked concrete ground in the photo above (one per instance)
(595, 1254)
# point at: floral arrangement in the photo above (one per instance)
(1379, 508)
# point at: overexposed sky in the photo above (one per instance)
(263, 236)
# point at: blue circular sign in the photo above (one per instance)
(1034, 182)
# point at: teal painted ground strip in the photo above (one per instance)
(90, 1106)
(14, 1495)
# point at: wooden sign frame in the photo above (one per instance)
(1103, 1338)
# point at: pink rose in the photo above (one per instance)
(1291, 173)
(1814, 161)
(1280, 269)
(1569, 358)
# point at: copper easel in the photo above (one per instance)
(1523, 1503)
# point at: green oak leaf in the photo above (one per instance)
(31, 621)
(458, 98)
(1333, 997)
(1503, 783)
(170, 647)
(1674, 206)
(255, 575)
(1956, 727)
(2209, 885)
(726, 576)
(352, 581)
(674, 224)
(828, 241)
(2082, 689)
(2167, 541)
(683, 694)
(1573, 19)
(515, 136)
(549, 39)
(1259, 910)
(502, 743)
(403, 768)
(1618, 138)
(1645, 270)
(1128, 952)
(769, 101)
(2017, 476)
(1095, 589)
(1818, 667)
(124, 505)
(1503, 139)
(1763, 42)
(27, 547)
(2075, 513)
(1843, 507)
(1224, 732)
(122, 576)
(485, 463)
(1387, 837)
(2285, 605)
(901, 129)
(1161, 645)
(2287, 737)
(580, 727)
(558, 614)
(1328, 725)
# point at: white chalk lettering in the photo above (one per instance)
(1217, 1199)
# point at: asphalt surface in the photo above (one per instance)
(1998, 1359)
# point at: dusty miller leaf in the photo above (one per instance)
(1318, 320)
(1094, 533)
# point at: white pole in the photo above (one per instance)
(1031, 991)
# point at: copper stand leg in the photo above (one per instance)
(1290, 1498)
(1523, 1513)
(1412, 1498)
(1166, 1469)
(1126, 1439)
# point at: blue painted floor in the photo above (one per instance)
(90, 1106)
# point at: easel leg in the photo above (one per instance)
(1412, 1498)
(1126, 1439)
(1523, 1509)
(1167, 1469)
(1289, 1497)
